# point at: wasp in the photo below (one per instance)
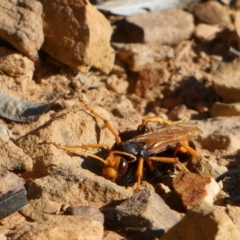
(144, 147)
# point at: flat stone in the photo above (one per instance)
(151, 27)
(77, 34)
(38, 209)
(59, 227)
(76, 187)
(75, 127)
(22, 26)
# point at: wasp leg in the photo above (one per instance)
(74, 149)
(169, 160)
(158, 120)
(184, 147)
(139, 173)
(106, 122)
(150, 165)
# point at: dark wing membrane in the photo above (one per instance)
(160, 138)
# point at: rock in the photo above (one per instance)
(181, 111)
(149, 81)
(76, 187)
(220, 133)
(194, 188)
(225, 109)
(151, 27)
(86, 211)
(39, 209)
(15, 65)
(202, 223)
(13, 158)
(139, 56)
(205, 167)
(237, 21)
(140, 211)
(85, 35)
(2, 237)
(117, 85)
(21, 25)
(236, 4)
(226, 81)
(5, 132)
(12, 193)
(206, 32)
(76, 127)
(59, 227)
(234, 213)
(210, 12)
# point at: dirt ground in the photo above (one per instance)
(193, 77)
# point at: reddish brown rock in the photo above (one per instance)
(77, 34)
(21, 25)
(194, 188)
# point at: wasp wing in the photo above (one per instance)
(159, 139)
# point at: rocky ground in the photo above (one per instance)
(171, 64)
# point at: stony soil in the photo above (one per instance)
(172, 64)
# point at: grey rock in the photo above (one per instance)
(147, 210)
(19, 110)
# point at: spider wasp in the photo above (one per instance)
(144, 147)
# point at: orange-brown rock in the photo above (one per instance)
(77, 34)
